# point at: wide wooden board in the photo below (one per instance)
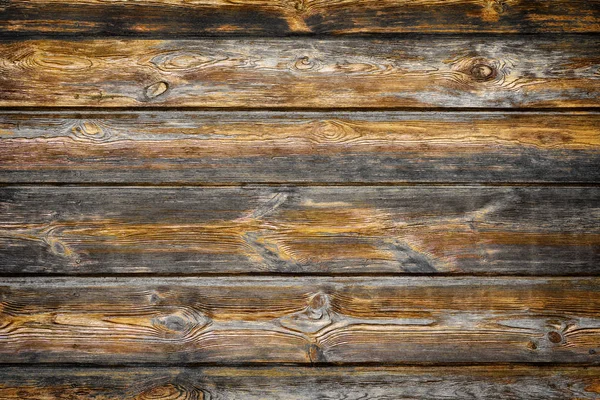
(297, 230)
(149, 18)
(416, 72)
(274, 147)
(302, 383)
(299, 320)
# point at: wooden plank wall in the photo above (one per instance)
(303, 199)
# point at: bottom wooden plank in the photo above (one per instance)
(472, 382)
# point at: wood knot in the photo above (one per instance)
(499, 6)
(90, 130)
(154, 298)
(305, 63)
(171, 391)
(332, 132)
(313, 318)
(319, 300)
(555, 337)
(482, 72)
(156, 89)
(478, 73)
(181, 322)
(299, 5)
(315, 353)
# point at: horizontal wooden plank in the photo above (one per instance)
(303, 383)
(368, 229)
(300, 320)
(267, 17)
(264, 147)
(303, 73)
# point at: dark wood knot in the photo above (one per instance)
(499, 6)
(483, 72)
(555, 337)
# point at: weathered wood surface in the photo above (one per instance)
(439, 229)
(148, 18)
(270, 147)
(303, 383)
(300, 320)
(384, 73)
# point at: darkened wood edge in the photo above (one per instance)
(504, 381)
(71, 18)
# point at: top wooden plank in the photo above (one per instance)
(151, 18)
(420, 72)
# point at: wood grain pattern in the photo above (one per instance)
(505, 72)
(303, 383)
(457, 229)
(265, 147)
(267, 17)
(299, 320)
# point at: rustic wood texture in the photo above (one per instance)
(303, 383)
(146, 18)
(271, 147)
(506, 72)
(456, 229)
(300, 320)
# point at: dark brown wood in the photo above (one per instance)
(302, 383)
(266, 17)
(263, 147)
(456, 72)
(373, 229)
(299, 320)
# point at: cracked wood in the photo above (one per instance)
(19, 18)
(342, 147)
(366, 229)
(302, 383)
(307, 320)
(505, 72)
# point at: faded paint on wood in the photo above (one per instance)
(302, 383)
(300, 320)
(146, 18)
(371, 229)
(505, 72)
(257, 147)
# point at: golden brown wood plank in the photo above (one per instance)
(267, 17)
(300, 320)
(506, 72)
(303, 383)
(368, 229)
(263, 147)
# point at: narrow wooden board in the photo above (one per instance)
(267, 17)
(299, 320)
(276, 147)
(372, 229)
(425, 71)
(303, 383)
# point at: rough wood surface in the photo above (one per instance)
(303, 383)
(414, 72)
(300, 320)
(270, 147)
(268, 17)
(456, 229)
